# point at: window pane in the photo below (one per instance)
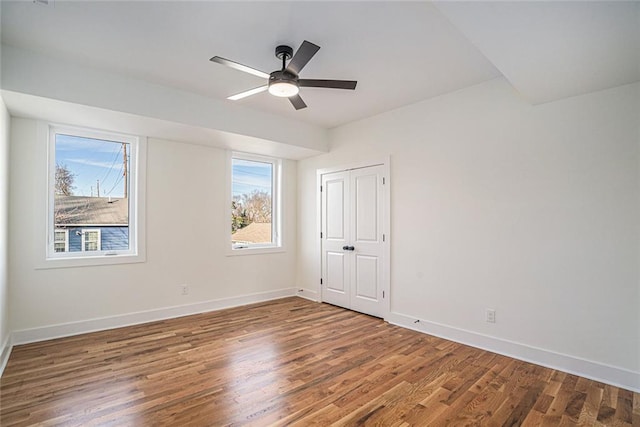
(91, 240)
(251, 203)
(60, 241)
(91, 190)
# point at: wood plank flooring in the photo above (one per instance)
(291, 362)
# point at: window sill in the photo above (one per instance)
(255, 251)
(89, 261)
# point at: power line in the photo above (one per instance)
(114, 185)
(104, 179)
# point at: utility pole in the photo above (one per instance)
(98, 186)
(125, 174)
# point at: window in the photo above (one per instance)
(90, 240)
(61, 241)
(93, 202)
(255, 195)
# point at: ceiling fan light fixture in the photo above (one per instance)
(283, 89)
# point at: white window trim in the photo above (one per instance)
(66, 239)
(276, 207)
(137, 211)
(84, 232)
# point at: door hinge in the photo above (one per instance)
(321, 188)
(321, 280)
(382, 294)
(321, 234)
(383, 237)
(383, 180)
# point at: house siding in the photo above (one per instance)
(112, 238)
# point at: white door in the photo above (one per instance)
(352, 239)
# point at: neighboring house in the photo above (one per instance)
(256, 232)
(91, 224)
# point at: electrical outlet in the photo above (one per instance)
(184, 289)
(490, 315)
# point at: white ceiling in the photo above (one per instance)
(552, 50)
(400, 52)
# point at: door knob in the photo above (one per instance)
(345, 248)
(350, 248)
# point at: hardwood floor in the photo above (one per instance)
(291, 362)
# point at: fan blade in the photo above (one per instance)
(237, 66)
(302, 56)
(248, 93)
(297, 102)
(331, 84)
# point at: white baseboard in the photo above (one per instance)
(612, 375)
(308, 294)
(5, 352)
(100, 324)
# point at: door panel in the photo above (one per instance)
(366, 223)
(352, 244)
(366, 277)
(335, 213)
(366, 194)
(336, 272)
(335, 230)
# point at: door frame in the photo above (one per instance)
(386, 222)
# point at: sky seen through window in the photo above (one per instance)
(94, 163)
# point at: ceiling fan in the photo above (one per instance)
(285, 83)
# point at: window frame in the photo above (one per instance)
(276, 244)
(136, 198)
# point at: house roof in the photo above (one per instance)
(81, 210)
(256, 232)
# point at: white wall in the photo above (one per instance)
(4, 228)
(185, 228)
(531, 211)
